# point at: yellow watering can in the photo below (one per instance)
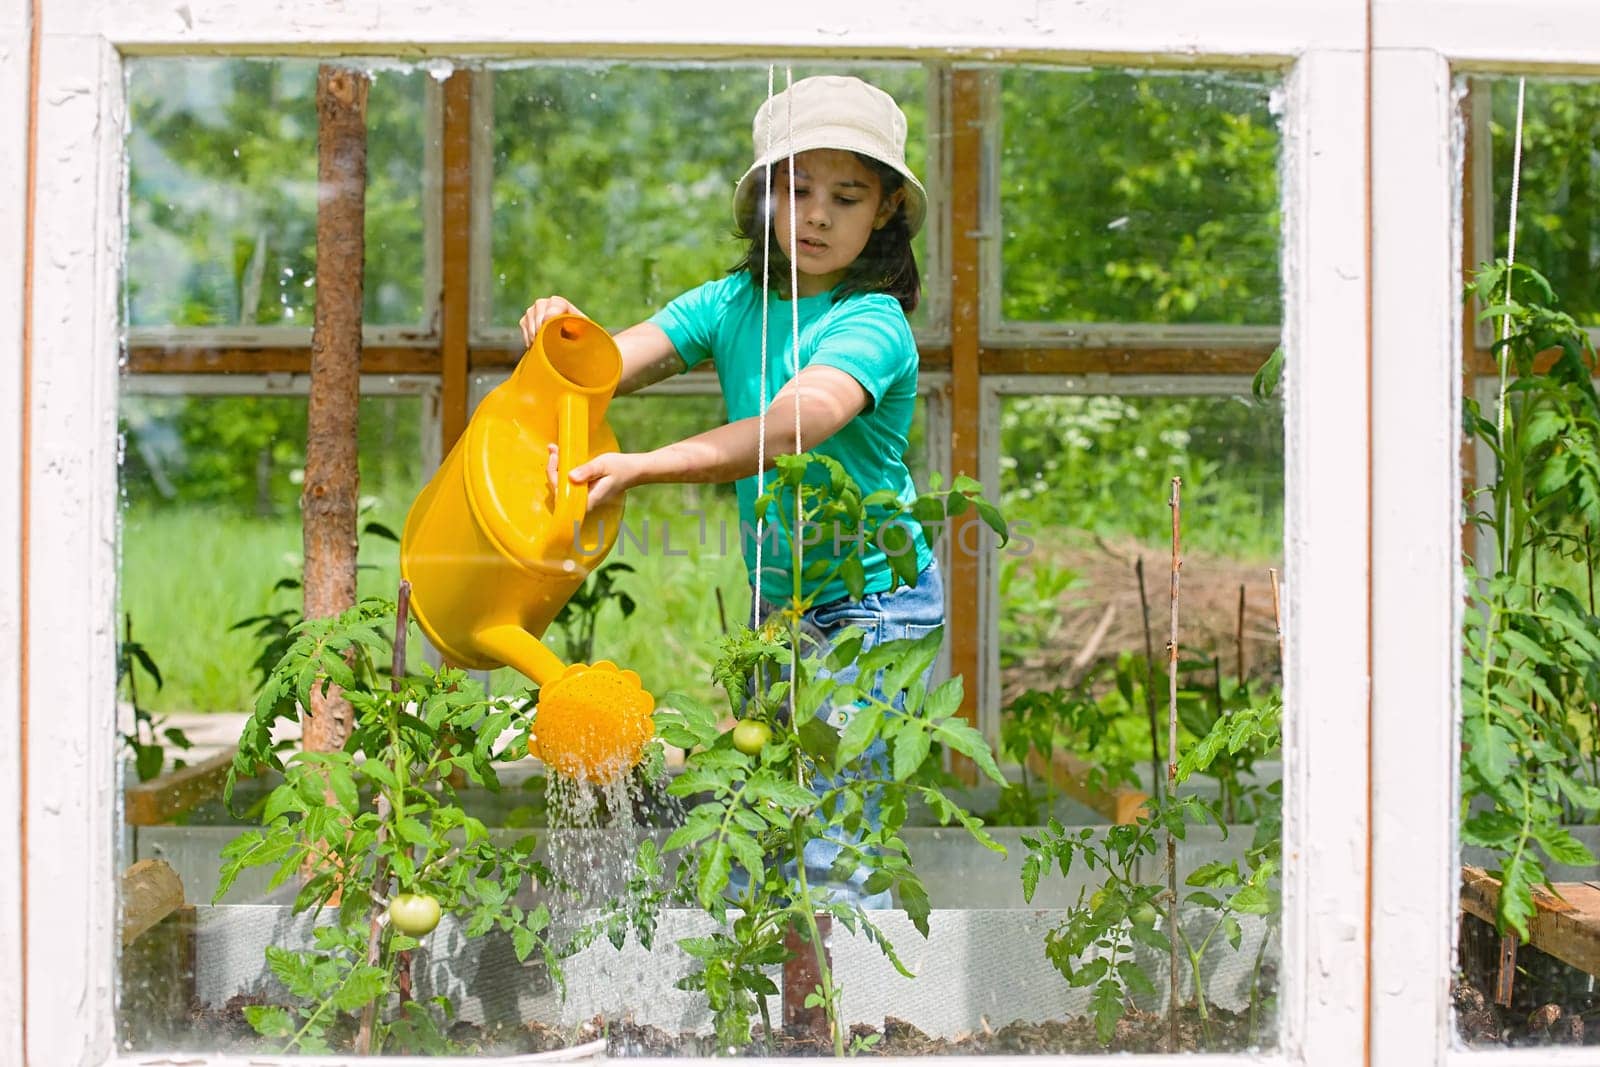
(493, 551)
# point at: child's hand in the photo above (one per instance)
(542, 310)
(608, 474)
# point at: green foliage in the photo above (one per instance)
(621, 177)
(377, 818)
(222, 193)
(1559, 191)
(1094, 945)
(742, 839)
(148, 740)
(1101, 465)
(1139, 197)
(1529, 682)
(577, 616)
(1103, 720)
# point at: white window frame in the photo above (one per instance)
(1366, 961)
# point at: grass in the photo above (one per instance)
(188, 574)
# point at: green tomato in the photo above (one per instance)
(414, 913)
(750, 735)
(1144, 915)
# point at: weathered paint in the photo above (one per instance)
(14, 67)
(1416, 429)
(72, 806)
(1500, 35)
(71, 803)
(1168, 30)
(1325, 560)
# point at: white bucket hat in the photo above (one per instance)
(830, 111)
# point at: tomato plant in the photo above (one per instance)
(356, 825)
(1529, 686)
(756, 806)
(1094, 945)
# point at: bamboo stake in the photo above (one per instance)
(1149, 685)
(1172, 768)
(397, 671)
(1238, 636)
(1277, 614)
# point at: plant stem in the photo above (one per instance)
(380, 875)
(1156, 786)
(1175, 931)
(824, 973)
(1267, 935)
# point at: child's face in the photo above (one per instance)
(838, 202)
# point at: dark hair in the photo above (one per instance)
(886, 265)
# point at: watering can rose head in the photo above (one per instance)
(593, 723)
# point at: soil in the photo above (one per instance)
(227, 1030)
(1551, 1002)
(1100, 615)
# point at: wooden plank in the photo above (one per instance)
(456, 289)
(421, 359)
(272, 359)
(151, 890)
(966, 170)
(1565, 924)
(161, 799)
(1075, 777)
(1242, 360)
(935, 359)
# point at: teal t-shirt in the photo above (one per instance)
(866, 336)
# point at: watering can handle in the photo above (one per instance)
(572, 443)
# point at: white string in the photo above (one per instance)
(1511, 261)
(764, 210)
(794, 332)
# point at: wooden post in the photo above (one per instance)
(966, 137)
(328, 501)
(801, 978)
(455, 289)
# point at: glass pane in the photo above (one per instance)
(1084, 625)
(211, 523)
(222, 193)
(1530, 765)
(1558, 225)
(1137, 197)
(613, 185)
(451, 880)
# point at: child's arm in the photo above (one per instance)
(647, 354)
(829, 398)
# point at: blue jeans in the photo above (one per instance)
(907, 612)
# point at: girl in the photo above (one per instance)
(837, 151)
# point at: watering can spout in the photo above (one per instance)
(492, 550)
